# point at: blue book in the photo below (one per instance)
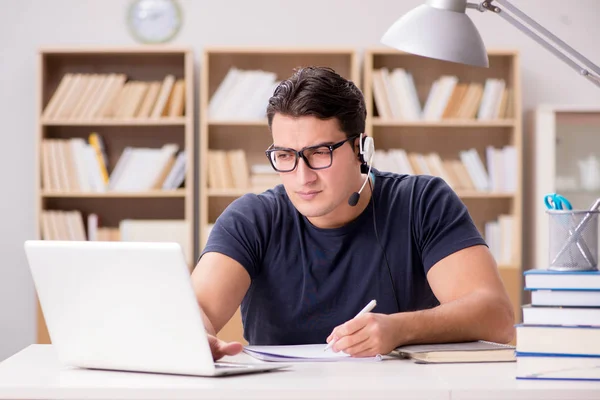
(548, 279)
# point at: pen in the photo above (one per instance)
(366, 309)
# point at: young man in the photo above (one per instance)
(302, 261)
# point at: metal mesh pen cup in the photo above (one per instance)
(573, 240)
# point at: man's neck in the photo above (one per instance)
(346, 213)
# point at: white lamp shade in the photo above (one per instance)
(438, 33)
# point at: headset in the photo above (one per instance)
(366, 151)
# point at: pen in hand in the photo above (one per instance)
(365, 310)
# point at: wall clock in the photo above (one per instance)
(154, 21)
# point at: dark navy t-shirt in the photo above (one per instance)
(306, 280)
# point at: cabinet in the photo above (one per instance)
(565, 149)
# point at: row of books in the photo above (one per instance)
(467, 172)
(80, 96)
(500, 237)
(74, 165)
(69, 225)
(242, 94)
(228, 169)
(559, 336)
(395, 96)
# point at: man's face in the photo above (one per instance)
(317, 193)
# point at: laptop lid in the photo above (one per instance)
(120, 305)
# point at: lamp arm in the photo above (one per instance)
(488, 6)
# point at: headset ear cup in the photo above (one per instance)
(368, 149)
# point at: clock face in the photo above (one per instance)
(154, 21)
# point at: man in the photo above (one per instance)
(302, 261)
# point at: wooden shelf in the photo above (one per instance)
(93, 100)
(463, 194)
(233, 192)
(458, 123)
(257, 122)
(446, 139)
(146, 194)
(178, 121)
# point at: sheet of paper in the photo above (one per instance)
(298, 353)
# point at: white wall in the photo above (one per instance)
(28, 24)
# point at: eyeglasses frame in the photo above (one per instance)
(300, 153)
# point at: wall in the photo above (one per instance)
(358, 23)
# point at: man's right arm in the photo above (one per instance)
(220, 284)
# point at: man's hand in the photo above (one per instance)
(365, 336)
(220, 348)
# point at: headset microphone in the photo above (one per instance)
(366, 151)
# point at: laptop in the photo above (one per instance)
(127, 306)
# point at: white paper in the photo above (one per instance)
(305, 352)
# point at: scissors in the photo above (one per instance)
(555, 201)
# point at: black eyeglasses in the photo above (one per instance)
(316, 157)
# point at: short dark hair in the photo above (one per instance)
(323, 93)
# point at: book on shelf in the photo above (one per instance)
(558, 338)
(228, 169)
(69, 225)
(81, 96)
(501, 240)
(242, 94)
(466, 172)
(74, 165)
(395, 97)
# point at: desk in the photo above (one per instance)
(34, 373)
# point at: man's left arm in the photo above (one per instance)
(474, 305)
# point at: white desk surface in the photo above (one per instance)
(34, 373)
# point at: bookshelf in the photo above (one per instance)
(231, 124)
(425, 114)
(115, 146)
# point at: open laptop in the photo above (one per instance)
(126, 306)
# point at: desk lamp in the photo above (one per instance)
(442, 30)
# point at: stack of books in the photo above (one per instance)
(560, 334)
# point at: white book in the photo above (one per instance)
(565, 298)
(119, 169)
(415, 104)
(561, 316)
(548, 279)
(219, 97)
(391, 94)
(81, 168)
(448, 83)
(92, 226)
(172, 179)
(429, 107)
(94, 173)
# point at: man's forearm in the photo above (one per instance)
(478, 316)
(208, 326)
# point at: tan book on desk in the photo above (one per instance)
(463, 352)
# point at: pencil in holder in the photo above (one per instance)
(573, 244)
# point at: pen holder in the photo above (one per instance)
(573, 244)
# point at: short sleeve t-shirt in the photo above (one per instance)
(307, 280)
